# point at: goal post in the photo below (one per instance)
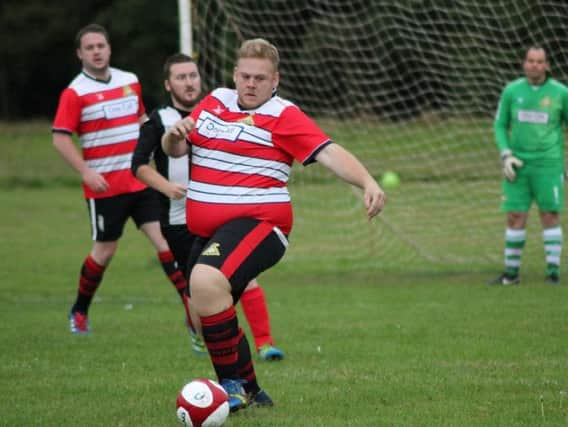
(409, 86)
(185, 27)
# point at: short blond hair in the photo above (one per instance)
(260, 49)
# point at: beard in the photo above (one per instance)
(187, 105)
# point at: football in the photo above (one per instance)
(390, 180)
(202, 403)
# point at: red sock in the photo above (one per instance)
(170, 267)
(254, 306)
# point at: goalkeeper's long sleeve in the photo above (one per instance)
(502, 123)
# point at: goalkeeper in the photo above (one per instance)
(528, 133)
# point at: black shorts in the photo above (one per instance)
(180, 241)
(109, 215)
(241, 249)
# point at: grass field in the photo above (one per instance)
(385, 338)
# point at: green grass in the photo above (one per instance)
(375, 334)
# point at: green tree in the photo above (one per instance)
(38, 50)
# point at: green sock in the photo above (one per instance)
(514, 244)
(553, 249)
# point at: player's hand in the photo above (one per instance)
(374, 198)
(181, 129)
(95, 181)
(176, 191)
(173, 141)
(510, 165)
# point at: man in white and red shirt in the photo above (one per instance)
(243, 143)
(103, 106)
(170, 177)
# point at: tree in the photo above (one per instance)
(38, 50)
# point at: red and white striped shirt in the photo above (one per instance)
(105, 116)
(241, 160)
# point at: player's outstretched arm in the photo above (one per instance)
(173, 141)
(346, 166)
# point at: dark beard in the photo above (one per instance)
(185, 104)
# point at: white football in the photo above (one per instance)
(202, 403)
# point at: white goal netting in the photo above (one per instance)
(409, 86)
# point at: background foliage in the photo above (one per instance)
(366, 52)
(38, 50)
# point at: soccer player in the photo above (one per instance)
(103, 105)
(528, 133)
(243, 143)
(183, 83)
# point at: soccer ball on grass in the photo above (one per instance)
(202, 403)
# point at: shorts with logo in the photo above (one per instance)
(542, 184)
(108, 215)
(242, 249)
(180, 240)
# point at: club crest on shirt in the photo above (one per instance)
(212, 250)
(127, 91)
(545, 102)
(248, 120)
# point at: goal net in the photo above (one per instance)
(408, 86)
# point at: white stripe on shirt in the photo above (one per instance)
(111, 163)
(110, 136)
(227, 162)
(209, 193)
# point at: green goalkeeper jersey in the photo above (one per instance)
(529, 121)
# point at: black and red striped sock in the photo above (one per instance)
(89, 281)
(170, 267)
(245, 367)
(222, 336)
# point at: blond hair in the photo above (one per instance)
(259, 49)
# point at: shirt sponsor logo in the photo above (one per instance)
(217, 130)
(123, 108)
(536, 117)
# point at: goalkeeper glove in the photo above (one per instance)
(510, 164)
